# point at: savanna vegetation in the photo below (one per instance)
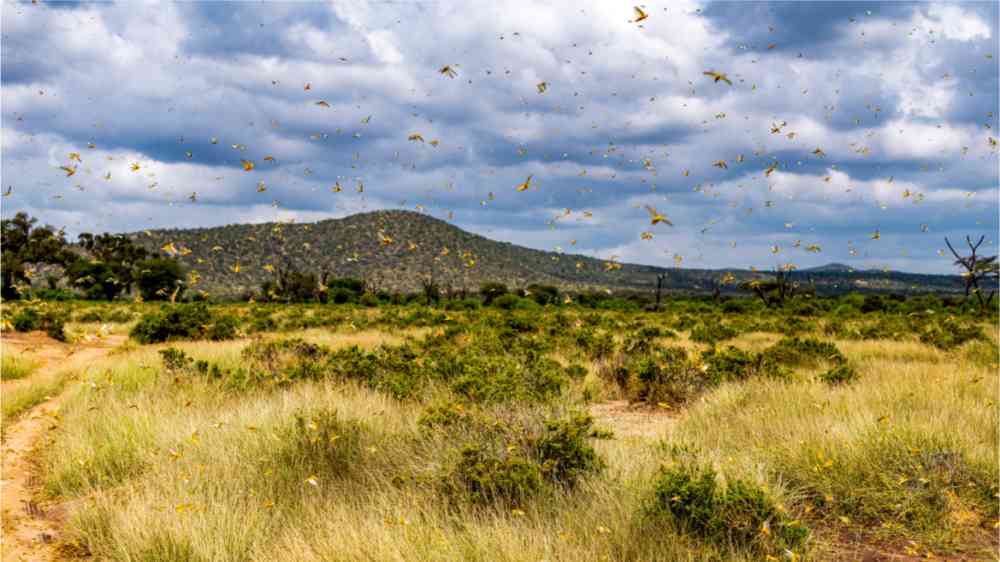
(525, 424)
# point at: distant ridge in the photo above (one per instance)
(393, 250)
(832, 268)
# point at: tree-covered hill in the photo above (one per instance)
(399, 250)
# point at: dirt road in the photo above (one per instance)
(31, 526)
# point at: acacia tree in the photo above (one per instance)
(981, 273)
(111, 266)
(21, 244)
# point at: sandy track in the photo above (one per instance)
(31, 526)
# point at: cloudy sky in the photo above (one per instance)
(842, 120)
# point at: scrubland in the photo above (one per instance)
(702, 431)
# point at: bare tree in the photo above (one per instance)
(660, 278)
(981, 273)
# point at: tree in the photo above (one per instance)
(981, 273)
(773, 292)
(118, 251)
(160, 279)
(660, 278)
(25, 244)
(97, 280)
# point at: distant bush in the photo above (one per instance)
(47, 294)
(712, 332)
(492, 291)
(463, 304)
(191, 321)
(513, 302)
(543, 294)
(340, 295)
(368, 299)
(739, 514)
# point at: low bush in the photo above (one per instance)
(738, 514)
(841, 374)
(668, 378)
(495, 479)
(26, 320)
(564, 452)
(732, 364)
(51, 320)
(950, 333)
(505, 462)
(511, 301)
(712, 332)
(803, 352)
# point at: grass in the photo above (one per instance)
(15, 365)
(162, 466)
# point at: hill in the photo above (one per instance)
(395, 250)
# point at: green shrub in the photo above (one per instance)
(950, 333)
(191, 321)
(54, 323)
(597, 345)
(666, 380)
(712, 332)
(26, 320)
(803, 352)
(442, 415)
(393, 370)
(503, 377)
(175, 360)
(731, 364)
(564, 452)
(505, 460)
(495, 479)
(738, 515)
(511, 301)
(51, 320)
(576, 371)
(841, 374)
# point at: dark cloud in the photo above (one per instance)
(628, 106)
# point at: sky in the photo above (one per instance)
(859, 133)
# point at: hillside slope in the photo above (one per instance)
(395, 250)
